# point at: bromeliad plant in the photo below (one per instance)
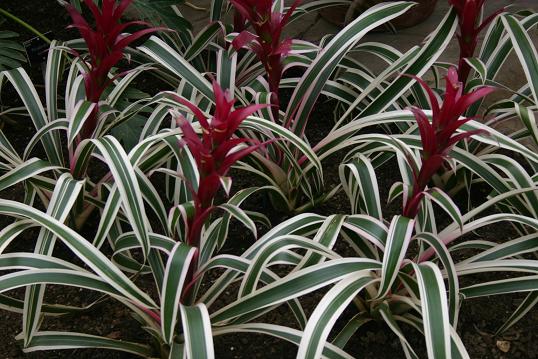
(439, 137)
(178, 254)
(267, 44)
(214, 153)
(106, 44)
(96, 102)
(287, 168)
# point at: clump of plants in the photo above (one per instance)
(149, 220)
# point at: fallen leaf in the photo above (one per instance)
(503, 345)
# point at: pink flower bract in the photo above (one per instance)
(440, 135)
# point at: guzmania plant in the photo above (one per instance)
(162, 242)
(439, 137)
(267, 44)
(106, 44)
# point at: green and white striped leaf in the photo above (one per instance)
(63, 199)
(504, 286)
(434, 47)
(327, 312)
(128, 187)
(167, 57)
(312, 82)
(197, 332)
(289, 334)
(434, 310)
(294, 285)
(82, 248)
(241, 216)
(178, 265)
(398, 238)
(27, 92)
(525, 51)
(70, 340)
(78, 117)
(24, 171)
(529, 303)
(361, 187)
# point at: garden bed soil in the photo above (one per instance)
(478, 320)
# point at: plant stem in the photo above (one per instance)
(25, 25)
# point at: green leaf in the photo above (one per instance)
(525, 50)
(305, 95)
(398, 238)
(63, 340)
(82, 248)
(327, 312)
(294, 285)
(178, 265)
(197, 332)
(434, 310)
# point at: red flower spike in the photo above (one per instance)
(266, 43)
(105, 45)
(214, 156)
(469, 12)
(439, 136)
(213, 152)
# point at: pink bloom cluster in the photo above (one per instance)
(439, 136)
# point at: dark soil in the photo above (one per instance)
(478, 319)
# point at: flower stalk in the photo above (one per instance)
(214, 152)
(470, 27)
(106, 43)
(266, 43)
(439, 137)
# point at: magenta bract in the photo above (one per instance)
(266, 43)
(439, 136)
(469, 13)
(213, 151)
(106, 43)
